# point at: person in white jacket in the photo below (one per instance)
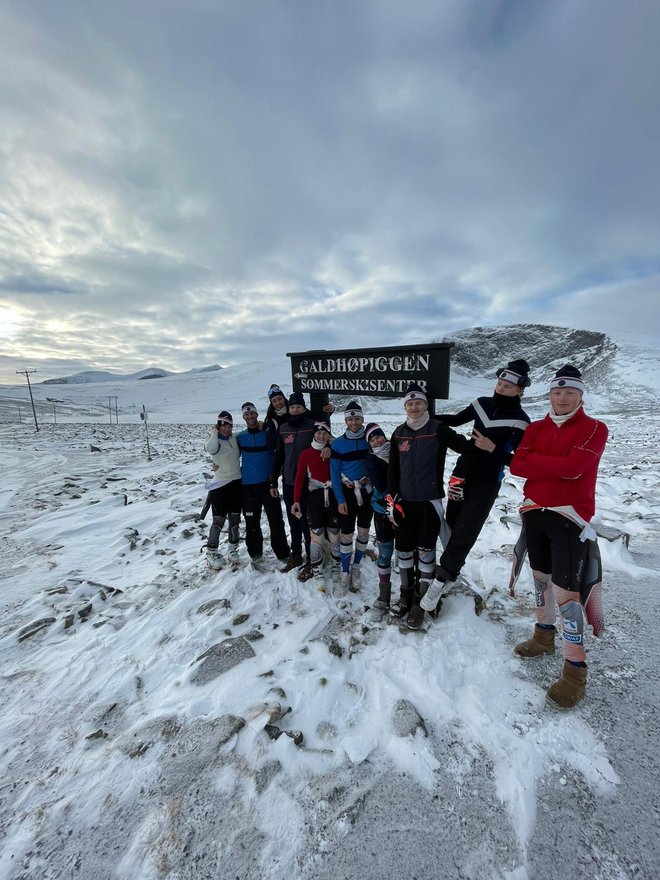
(224, 490)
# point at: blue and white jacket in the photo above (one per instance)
(347, 463)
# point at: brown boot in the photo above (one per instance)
(294, 561)
(542, 642)
(570, 686)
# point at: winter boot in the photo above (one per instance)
(402, 606)
(542, 642)
(415, 617)
(433, 595)
(305, 572)
(356, 578)
(294, 561)
(569, 687)
(233, 554)
(319, 579)
(382, 603)
(214, 559)
(344, 583)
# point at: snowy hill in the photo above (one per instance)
(160, 722)
(89, 377)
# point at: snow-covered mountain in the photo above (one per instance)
(620, 373)
(88, 377)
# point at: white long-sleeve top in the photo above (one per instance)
(226, 454)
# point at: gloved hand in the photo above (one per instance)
(455, 488)
(394, 509)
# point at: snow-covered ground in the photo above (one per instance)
(138, 689)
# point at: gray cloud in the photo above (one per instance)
(218, 182)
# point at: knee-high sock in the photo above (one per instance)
(361, 544)
(572, 619)
(407, 569)
(346, 551)
(316, 547)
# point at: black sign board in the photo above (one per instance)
(373, 372)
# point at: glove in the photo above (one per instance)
(394, 509)
(455, 488)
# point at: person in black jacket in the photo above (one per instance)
(377, 465)
(499, 425)
(295, 434)
(415, 480)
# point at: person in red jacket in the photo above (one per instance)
(322, 510)
(559, 458)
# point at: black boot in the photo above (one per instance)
(382, 603)
(416, 613)
(402, 606)
(415, 617)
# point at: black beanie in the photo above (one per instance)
(373, 429)
(567, 376)
(516, 372)
(296, 399)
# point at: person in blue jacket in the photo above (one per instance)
(499, 422)
(351, 485)
(257, 447)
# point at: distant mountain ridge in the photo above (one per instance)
(481, 350)
(92, 376)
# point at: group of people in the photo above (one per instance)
(334, 488)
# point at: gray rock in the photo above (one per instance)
(35, 627)
(254, 635)
(226, 726)
(213, 606)
(406, 720)
(221, 658)
(239, 619)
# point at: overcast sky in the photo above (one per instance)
(199, 182)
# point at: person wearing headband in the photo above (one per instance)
(415, 479)
(499, 423)
(351, 486)
(224, 490)
(559, 457)
(257, 445)
(313, 476)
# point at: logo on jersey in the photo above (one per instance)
(404, 446)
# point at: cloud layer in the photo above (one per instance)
(184, 184)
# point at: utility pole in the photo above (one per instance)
(27, 374)
(112, 397)
(145, 418)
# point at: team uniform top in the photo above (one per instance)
(293, 439)
(504, 424)
(348, 459)
(417, 460)
(312, 466)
